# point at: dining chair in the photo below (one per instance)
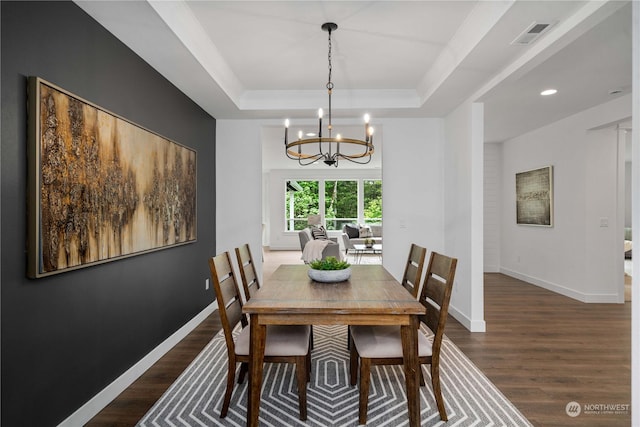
(382, 345)
(411, 276)
(284, 344)
(250, 282)
(413, 269)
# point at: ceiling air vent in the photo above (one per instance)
(532, 33)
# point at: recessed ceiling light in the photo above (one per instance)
(310, 134)
(548, 92)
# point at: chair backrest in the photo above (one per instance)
(347, 241)
(436, 294)
(250, 282)
(227, 295)
(304, 236)
(413, 269)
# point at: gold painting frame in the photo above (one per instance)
(534, 197)
(101, 187)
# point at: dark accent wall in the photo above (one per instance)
(68, 336)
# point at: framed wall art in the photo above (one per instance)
(534, 197)
(101, 187)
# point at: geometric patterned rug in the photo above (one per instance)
(195, 398)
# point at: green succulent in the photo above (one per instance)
(329, 263)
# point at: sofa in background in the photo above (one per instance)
(354, 234)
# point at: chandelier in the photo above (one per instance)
(328, 147)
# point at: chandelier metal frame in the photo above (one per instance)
(331, 154)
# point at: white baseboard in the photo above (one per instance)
(492, 269)
(562, 290)
(103, 398)
(471, 325)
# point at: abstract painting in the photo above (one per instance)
(101, 187)
(534, 197)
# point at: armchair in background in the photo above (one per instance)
(330, 247)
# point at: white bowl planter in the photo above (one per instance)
(330, 276)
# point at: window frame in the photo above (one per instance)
(321, 199)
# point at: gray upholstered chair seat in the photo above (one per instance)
(282, 340)
(384, 342)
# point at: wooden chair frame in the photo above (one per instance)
(248, 274)
(413, 269)
(250, 282)
(230, 310)
(435, 296)
(411, 276)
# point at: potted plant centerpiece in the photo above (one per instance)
(329, 270)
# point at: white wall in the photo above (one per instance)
(627, 192)
(492, 206)
(463, 211)
(635, 143)
(581, 255)
(412, 189)
(238, 187)
(414, 202)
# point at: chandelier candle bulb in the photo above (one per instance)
(366, 128)
(286, 132)
(320, 112)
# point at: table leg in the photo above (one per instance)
(409, 335)
(256, 350)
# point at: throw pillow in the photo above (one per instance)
(319, 233)
(352, 231)
(365, 231)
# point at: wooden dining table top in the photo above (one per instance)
(371, 296)
(371, 290)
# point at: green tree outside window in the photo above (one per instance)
(300, 204)
(341, 202)
(372, 201)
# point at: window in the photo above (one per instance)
(301, 201)
(338, 201)
(372, 201)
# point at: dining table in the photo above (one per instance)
(371, 296)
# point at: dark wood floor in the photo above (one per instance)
(131, 405)
(542, 350)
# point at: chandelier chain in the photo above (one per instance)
(329, 83)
